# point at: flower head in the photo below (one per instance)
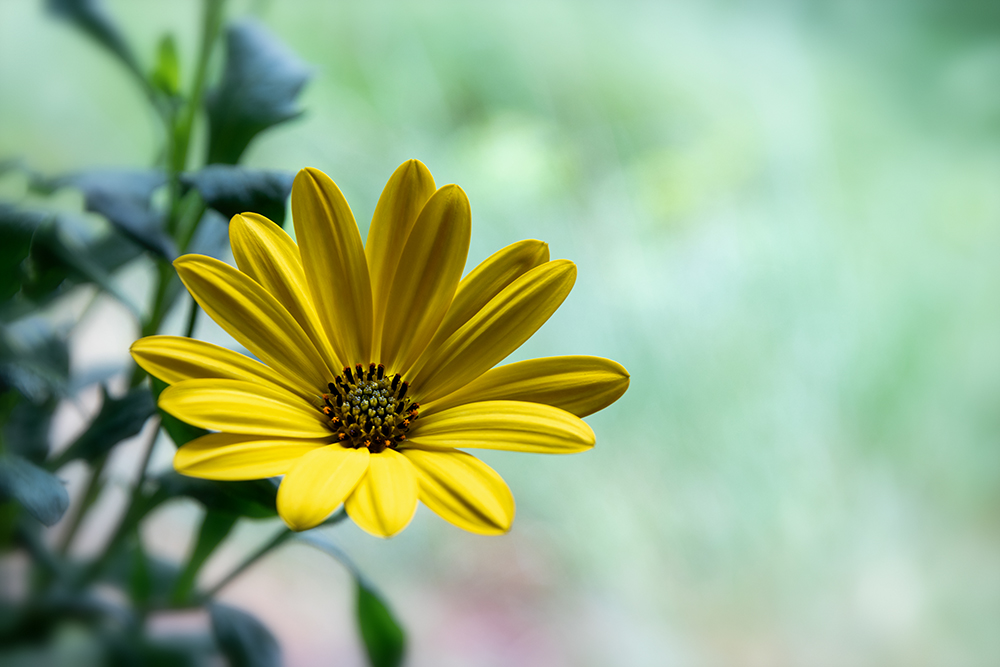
(378, 360)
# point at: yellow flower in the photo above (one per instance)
(377, 360)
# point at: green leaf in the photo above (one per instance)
(183, 650)
(215, 527)
(167, 75)
(16, 228)
(59, 248)
(36, 489)
(147, 579)
(34, 358)
(253, 499)
(245, 641)
(27, 429)
(260, 83)
(56, 256)
(119, 418)
(384, 639)
(179, 431)
(89, 16)
(123, 197)
(231, 190)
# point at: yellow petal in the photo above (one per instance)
(510, 425)
(408, 189)
(580, 385)
(253, 317)
(463, 490)
(228, 456)
(266, 253)
(429, 270)
(318, 482)
(176, 358)
(486, 281)
(237, 406)
(499, 328)
(384, 501)
(334, 261)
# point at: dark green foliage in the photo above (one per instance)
(44, 257)
(253, 499)
(33, 359)
(90, 17)
(123, 197)
(35, 489)
(260, 83)
(27, 429)
(16, 228)
(231, 190)
(119, 418)
(215, 527)
(384, 640)
(149, 580)
(244, 640)
(57, 255)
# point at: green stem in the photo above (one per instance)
(137, 507)
(192, 320)
(90, 494)
(280, 538)
(211, 23)
(283, 536)
(215, 527)
(179, 141)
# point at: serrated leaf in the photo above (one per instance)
(123, 197)
(245, 641)
(119, 418)
(231, 190)
(36, 489)
(253, 499)
(90, 16)
(261, 81)
(384, 639)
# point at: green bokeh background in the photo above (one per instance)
(786, 218)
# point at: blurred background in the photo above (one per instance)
(786, 218)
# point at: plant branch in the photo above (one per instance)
(90, 494)
(279, 538)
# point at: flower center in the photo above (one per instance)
(369, 409)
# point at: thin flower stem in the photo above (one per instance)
(280, 538)
(132, 515)
(90, 494)
(165, 273)
(192, 319)
(211, 23)
(283, 536)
